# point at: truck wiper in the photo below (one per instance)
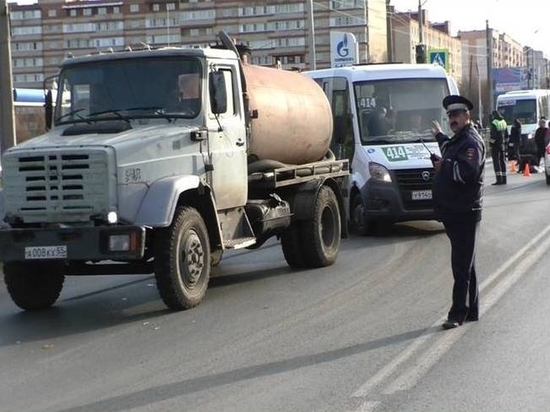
(116, 112)
(71, 113)
(150, 111)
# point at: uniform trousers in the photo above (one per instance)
(462, 234)
(499, 163)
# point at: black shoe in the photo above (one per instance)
(471, 318)
(451, 324)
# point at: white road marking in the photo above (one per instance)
(368, 406)
(524, 258)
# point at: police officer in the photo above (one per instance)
(498, 141)
(457, 196)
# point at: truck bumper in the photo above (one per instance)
(389, 202)
(74, 244)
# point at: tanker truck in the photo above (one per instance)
(157, 161)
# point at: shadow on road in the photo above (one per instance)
(150, 396)
(110, 306)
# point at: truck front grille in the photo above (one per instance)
(414, 180)
(56, 186)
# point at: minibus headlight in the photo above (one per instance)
(379, 173)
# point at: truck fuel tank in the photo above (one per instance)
(294, 118)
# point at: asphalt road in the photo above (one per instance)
(362, 335)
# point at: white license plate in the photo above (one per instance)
(46, 252)
(421, 194)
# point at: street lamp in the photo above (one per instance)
(420, 49)
(531, 69)
(7, 116)
(529, 54)
(312, 55)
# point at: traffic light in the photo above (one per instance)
(420, 50)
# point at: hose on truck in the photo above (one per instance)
(268, 165)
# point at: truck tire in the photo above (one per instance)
(182, 260)
(322, 233)
(291, 243)
(33, 286)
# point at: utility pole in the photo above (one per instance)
(531, 78)
(167, 24)
(420, 23)
(479, 100)
(7, 117)
(547, 75)
(311, 46)
(489, 35)
(367, 29)
(389, 17)
(420, 49)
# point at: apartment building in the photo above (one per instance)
(506, 53)
(277, 31)
(436, 36)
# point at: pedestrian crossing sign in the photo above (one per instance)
(440, 57)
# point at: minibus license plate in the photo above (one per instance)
(421, 195)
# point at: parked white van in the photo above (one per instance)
(528, 106)
(382, 123)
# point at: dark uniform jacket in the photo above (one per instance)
(540, 140)
(458, 186)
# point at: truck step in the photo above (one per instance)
(239, 243)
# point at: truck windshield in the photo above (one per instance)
(400, 110)
(128, 89)
(525, 110)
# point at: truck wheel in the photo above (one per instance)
(182, 260)
(292, 247)
(322, 233)
(33, 286)
(358, 221)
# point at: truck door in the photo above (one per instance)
(337, 91)
(227, 146)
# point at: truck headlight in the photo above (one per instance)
(379, 173)
(112, 218)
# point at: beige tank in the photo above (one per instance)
(294, 119)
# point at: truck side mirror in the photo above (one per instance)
(48, 110)
(218, 92)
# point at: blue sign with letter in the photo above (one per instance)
(439, 57)
(343, 49)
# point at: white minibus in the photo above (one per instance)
(382, 123)
(528, 106)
